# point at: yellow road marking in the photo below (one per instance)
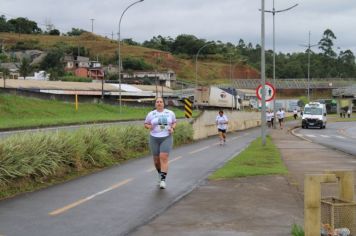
(77, 203)
(199, 150)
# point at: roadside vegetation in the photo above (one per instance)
(35, 160)
(24, 112)
(337, 118)
(254, 160)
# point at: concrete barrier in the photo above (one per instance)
(204, 125)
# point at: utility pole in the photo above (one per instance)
(274, 11)
(232, 87)
(308, 48)
(263, 75)
(92, 25)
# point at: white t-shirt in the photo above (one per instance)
(280, 114)
(221, 120)
(269, 116)
(161, 122)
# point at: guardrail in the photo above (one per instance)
(296, 83)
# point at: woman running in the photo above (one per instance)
(161, 122)
(221, 123)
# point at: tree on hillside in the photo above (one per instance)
(346, 64)
(4, 26)
(25, 67)
(53, 63)
(187, 44)
(24, 26)
(160, 43)
(130, 41)
(75, 32)
(54, 32)
(326, 44)
(5, 73)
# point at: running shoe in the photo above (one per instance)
(162, 185)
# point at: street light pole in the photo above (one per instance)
(120, 64)
(196, 63)
(274, 53)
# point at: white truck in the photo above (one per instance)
(314, 115)
(214, 97)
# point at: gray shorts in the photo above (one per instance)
(159, 145)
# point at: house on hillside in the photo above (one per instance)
(167, 78)
(69, 63)
(83, 67)
(13, 69)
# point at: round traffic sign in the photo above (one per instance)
(269, 92)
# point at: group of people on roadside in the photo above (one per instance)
(162, 123)
(343, 113)
(270, 118)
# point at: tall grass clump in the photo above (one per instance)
(33, 160)
(183, 134)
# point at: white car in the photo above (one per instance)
(314, 115)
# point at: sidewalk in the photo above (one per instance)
(252, 206)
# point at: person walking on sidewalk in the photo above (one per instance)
(280, 115)
(295, 113)
(221, 123)
(161, 122)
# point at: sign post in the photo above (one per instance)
(187, 108)
(269, 90)
(264, 94)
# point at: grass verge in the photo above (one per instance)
(24, 112)
(254, 160)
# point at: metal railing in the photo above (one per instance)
(297, 83)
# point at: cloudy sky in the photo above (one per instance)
(224, 20)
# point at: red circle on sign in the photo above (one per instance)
(273, 91)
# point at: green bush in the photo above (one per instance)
(135, 64)
(41, 157)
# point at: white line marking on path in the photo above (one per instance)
(324, 136)
(80, 201)
(310, 135)
(199, 150)
(175, 159)
(339, 136)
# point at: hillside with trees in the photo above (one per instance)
(218, 62)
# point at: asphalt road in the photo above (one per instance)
(339, 135)
(117, 200)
